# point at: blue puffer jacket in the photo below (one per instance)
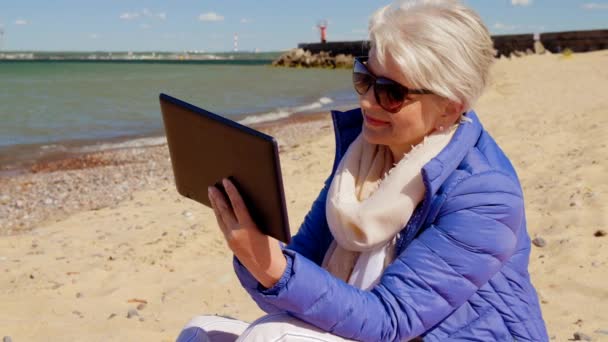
(461, 272)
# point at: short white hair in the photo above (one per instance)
(440, 45)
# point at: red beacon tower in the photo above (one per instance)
(322, 25)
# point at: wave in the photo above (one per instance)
(53, 148)
(271, 116)
(282, 113)
(133, 143)
(13, 157)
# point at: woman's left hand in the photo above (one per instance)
(259, 253)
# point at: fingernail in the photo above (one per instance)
(209, 191)
(225, 182)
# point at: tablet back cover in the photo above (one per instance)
(205, 148)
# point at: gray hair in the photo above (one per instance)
(441, 45)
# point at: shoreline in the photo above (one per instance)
(75, 154)
(57, 185)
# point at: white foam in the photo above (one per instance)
(53, 147)
(325, 100)
(282, 113)
(272, 116)
(315, 105)
(134, 143)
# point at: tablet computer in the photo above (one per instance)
(205, 148)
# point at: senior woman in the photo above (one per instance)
(420, 230)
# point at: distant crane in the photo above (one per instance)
(322, 25)
(236, 42)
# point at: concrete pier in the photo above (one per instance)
(577, 41)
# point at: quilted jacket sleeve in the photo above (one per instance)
(474, 234)
(313, 237)
(311, 242)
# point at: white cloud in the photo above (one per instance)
(595, 6)
(521, 2)
(210, 16)
(94, 36)
(145, 26)
(21, 22)
(145, 13)
(149, 14)
(245, 21)
(129, 16)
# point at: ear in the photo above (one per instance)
(451, 114)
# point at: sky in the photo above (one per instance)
(262, 25)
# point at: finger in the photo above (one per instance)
(218, 216)
(224, 210)
(238, 205)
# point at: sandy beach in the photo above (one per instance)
(101, 247)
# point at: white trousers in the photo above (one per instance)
(279, 327)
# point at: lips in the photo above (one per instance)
(375, 122)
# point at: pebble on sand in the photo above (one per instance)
(7, 339)
(132, 313)
(600, 233)
(539, 242)
(579, 336)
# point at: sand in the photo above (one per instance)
(129, 245)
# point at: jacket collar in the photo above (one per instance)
(347, 126)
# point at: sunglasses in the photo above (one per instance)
(389, 94)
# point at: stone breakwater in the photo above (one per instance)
(302, 58)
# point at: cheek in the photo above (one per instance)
(406, 130)
(409, 127)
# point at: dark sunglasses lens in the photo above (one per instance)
(390, 96)
(362, 82)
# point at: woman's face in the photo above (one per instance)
(420, 115)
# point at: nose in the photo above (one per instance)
(368, 101)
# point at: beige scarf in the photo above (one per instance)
(370, 201)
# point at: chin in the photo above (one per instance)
(375, 137)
